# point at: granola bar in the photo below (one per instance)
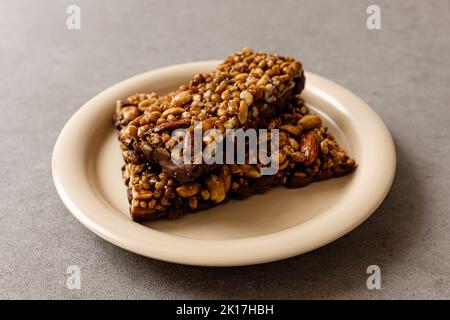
(307, 153)
(246, 91)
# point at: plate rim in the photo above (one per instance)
(205, 252)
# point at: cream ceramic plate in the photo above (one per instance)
(279, 224)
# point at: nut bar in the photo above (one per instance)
(307, 153)
(246, 91)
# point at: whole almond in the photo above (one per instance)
(309, 146)
(169, 126)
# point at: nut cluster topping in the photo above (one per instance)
(313, 154)
(249, 89)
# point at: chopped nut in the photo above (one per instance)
(204, 194)
(324, 146)
(231, 123)
(243, 112)
(294, 130)
(174, 110)
(235, 169)
(225, 175)
(193, 202)
(135, 169)
(283, 165)
(263, 81)
(152, 203)
(294, 144)
(160, 185)
(188, 190)
(235, 187)
(216, 188)
(181, 99)
(241, 76)
(299, 174)
(247, 97)
(130, 131)
(142, 130)
(169, 126)
(297, 156)
(144, 104)
(209, 123)
(250, 171)
(140, 194)
(310, 121)
(131, 156)
(350, 163)
(128, 114)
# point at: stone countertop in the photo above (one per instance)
(48, 72)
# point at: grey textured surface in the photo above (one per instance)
(48, 71)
